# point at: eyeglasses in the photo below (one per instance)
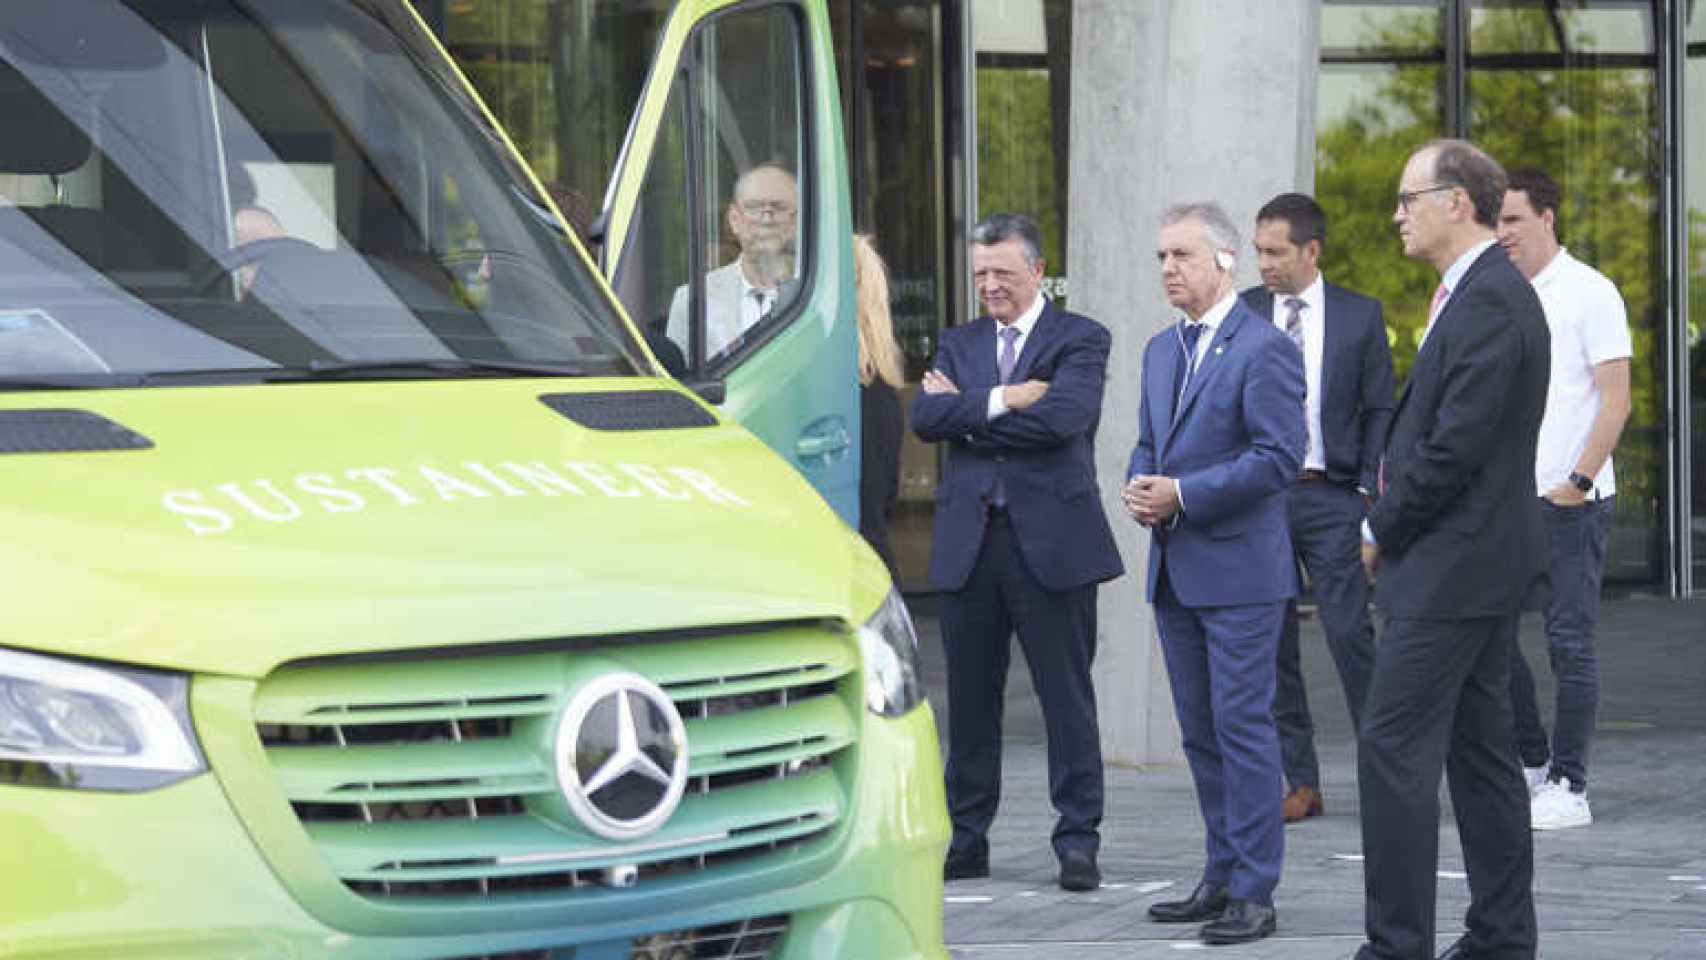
(775, 209)
(1405, 198)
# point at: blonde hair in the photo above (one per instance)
(879, 354)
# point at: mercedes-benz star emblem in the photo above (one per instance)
(621, 756)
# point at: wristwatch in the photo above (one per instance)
(1584, 484)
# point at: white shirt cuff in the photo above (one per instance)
(1368, 534)
(1179, 491)
(997, 404)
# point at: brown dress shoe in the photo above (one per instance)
(1301, 803)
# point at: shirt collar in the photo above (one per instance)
(1217, 313)
(1312, 297)
(746, 286)
(1553, 268)
(1454, 274)
(1028, 319)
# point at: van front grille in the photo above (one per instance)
(436, 780)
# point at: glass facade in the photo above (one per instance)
(956, 108)
(1024, 97)
(895, 85)
(1573, 89)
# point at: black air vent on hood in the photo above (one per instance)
(630, 410)
(64, 431)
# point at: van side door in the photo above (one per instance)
(727, 228)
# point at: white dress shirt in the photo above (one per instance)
(1025, 321)
(1314, 317)
(1451, 278)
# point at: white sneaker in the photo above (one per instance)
(1555, 806)
(1535, 777)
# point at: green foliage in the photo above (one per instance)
(1591, 128)
(1015, 153)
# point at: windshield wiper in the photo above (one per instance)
(435, 366)
(70, 381)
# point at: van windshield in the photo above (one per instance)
(236, 186)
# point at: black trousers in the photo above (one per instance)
(1057, 633)
(1326, 532)
(1440, 700)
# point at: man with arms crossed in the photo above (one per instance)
(1348, 368)
(1587, 403)
(1220, 441)
(1020, 542)
(1458, 540)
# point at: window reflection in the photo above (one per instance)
(1572, 91)
(1592, 123)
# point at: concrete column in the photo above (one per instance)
(1172, 101)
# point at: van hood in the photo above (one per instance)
(280, 522)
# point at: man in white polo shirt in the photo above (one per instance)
(1587, 403)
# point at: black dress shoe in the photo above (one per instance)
(1204, 903)
(965, 867)
(1457, 951)
(1078, 871)
(1241, 922)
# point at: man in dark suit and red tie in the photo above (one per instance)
(1020, 541)
(1220, 442)
(1348, 367)
(1457, 538)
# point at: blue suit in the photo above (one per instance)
(1030, 566)
(1221, 572)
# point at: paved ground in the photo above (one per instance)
(1630, 887)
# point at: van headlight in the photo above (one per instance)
(892, 683)
(76, 725)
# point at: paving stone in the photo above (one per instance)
(1629, 887)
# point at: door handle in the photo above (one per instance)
(824, 441)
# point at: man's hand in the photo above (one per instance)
(935, 381)
(1566, 495)
(1370, 558)
(1151, 500)
(1018, 396)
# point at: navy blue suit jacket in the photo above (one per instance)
(1356, 381)
(1235, 447)
(1044, 454)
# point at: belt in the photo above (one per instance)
(1310, 475)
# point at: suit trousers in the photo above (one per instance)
(1326, 531)
(1440, 700)
(1220, 661)
(1057, 633)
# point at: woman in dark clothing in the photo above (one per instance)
(881, 422)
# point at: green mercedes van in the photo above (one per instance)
(370, 591)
